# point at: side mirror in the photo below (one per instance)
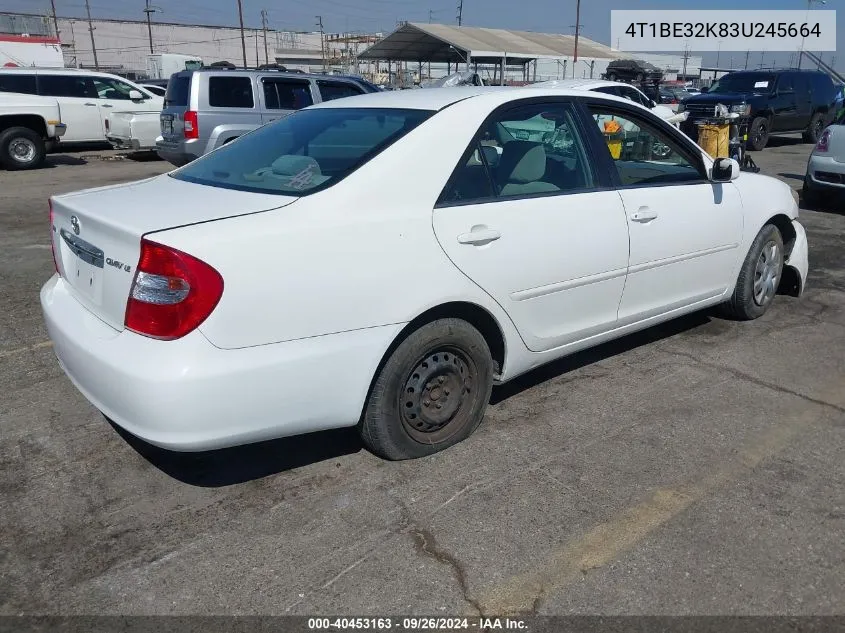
(652, 103)
(724, 170)
(136, 95)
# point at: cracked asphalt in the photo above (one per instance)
(694, 468)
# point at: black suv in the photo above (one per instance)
(635, 70)
(777, 101)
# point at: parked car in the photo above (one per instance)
(616, 88)
(636, 70)
(778, 101)
(270, 287)
(672, 96)
(825, 177)
(205, 109)
(87, 98)
(29, 126)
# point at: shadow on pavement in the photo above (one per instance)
(239, 464)
(786, 141)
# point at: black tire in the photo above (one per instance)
(21, 148)
(815, 129)
(611, 76)
(639, 78)
(444, 358)
(758, 134)
(759, 276)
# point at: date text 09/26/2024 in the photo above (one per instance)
(416, 624)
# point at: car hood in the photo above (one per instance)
(723, 97)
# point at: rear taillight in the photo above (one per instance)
(52, 241)
(172, 293)
(192, 128)
(824, 142)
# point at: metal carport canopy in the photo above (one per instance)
(415, 42)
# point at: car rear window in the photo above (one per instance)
(305, 152)
(230, 92)
(178, 91)
(17, 82)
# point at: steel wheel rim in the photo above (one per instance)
(761, 133)
(436, 398)
(767, 273)
(22, 150)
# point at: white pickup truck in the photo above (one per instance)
(136, 131)
(29, 126)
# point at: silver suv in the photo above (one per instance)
(204, 109)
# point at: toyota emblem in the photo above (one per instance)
(74, 224)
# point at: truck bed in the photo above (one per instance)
(136, 131)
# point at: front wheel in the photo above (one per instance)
(759, 276)
(758, 136)
(431, 393)
(21, 148)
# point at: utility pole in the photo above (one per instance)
(149, 11)
(460, 11)
(243, 37)
(56, 19)
(264, 26)
(747, 54)
(322, 42)
(429, 15)
(577, 33)
(686, 57)
(91, 31)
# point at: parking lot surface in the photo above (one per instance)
(694, 468)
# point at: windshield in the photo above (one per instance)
(744, 82)
(304, 152)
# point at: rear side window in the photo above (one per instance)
(286, 94)
(330, 90)
(17, 82)
(66, 86)
(305, 152)
(178, 91)
(230, 92)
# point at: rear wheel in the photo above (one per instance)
(759, 276)
(431, 393)
(21, 148)
(758, 136)
(611, 76)
(815, 129)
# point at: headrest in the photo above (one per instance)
(522, 161)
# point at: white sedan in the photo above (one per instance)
(383, 261)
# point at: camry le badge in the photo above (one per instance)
(74, 224)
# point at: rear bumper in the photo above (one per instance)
(126, 143)
(189, 395)
(178, 153)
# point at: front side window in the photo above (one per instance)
(527, 150)
(642, 153)
(230, 92)
(305, 152)
(17, 82)
(330, 90)
(112, 88)
(286, 94)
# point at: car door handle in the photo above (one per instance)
(643, 215)
(106, 105)
(479, 236)
(91, 105)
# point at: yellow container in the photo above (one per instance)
(715, 139)
(615, 147)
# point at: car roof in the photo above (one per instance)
(275, 73)
(439, 98)
(62, 71)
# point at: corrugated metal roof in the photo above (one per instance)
(415, 41)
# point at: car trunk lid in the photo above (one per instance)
(97, 233)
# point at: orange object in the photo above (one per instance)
(611, 127)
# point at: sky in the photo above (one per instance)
(549, 16)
